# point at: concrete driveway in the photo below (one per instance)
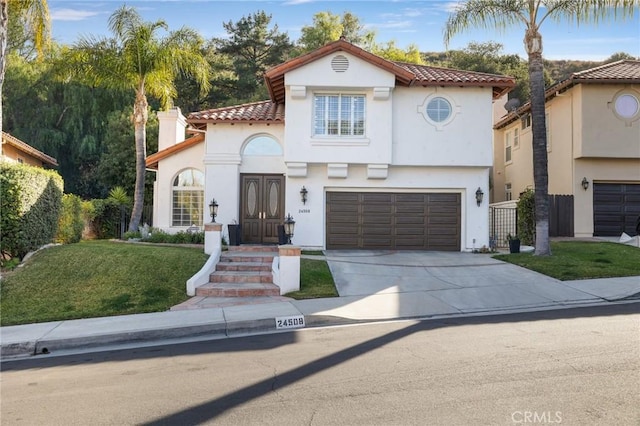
(417, 283)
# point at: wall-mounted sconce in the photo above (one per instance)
(289, 226)
(213, 210)
(585, 183)
(479, 196)
(303, 195)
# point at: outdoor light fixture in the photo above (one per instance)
(585, 183)
(213, 210)
(303, 195)
(289, 225)
(479, 196)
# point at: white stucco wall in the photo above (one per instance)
(168, 169)
(465, 141)
(224, 163)
(359, 79)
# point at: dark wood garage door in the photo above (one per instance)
(616, 207)
(393, 221)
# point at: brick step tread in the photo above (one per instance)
(244, 266)
(241, 276)
(264, 258)
(252, 248)
(238, 290)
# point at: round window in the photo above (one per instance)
(627, 106)
(439, 109)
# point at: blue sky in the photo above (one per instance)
(405, 22)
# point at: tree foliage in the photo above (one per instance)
(253, 47)
(328, 27)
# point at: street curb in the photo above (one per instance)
(44, 346)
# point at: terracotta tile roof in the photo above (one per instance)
(406, 75)
(625, 71)
(28, 149)
(255, 112)
(153, 159)
(436, 76)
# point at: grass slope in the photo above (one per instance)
(97, 278)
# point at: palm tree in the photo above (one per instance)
(137, 59)
(37, 20)
(501, 14)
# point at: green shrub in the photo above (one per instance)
(182, 237)
(71, 221)
(107, 215)
(30, 205)
(527, 218)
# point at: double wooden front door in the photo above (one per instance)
(261, 208)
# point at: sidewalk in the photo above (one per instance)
(373, 286)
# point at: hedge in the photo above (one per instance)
(71, 223)
(30, 205)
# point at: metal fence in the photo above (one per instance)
(125, 218)
(502, 222)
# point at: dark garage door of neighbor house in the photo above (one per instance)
(616, 207)
(398, 221)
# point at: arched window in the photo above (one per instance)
(188, 198)
(263, 145)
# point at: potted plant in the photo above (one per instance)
(235, 233)
(514, 243)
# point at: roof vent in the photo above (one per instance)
(340, 63)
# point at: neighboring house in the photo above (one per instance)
(16, 151)
(364, 153)
(593, 146)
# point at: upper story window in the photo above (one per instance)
(338, 115)
(507, 147)
(525, 121)
(516, 138)
(439, 109)
(188, 198)
(626, 106)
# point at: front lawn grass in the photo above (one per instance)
(579, 260)
(95, 279)
(316, 281)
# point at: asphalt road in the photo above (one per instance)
(572, 367)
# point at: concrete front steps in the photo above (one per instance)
(243, 271)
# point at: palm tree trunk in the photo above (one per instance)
(4, 28)
(140, 117)
(533, 41)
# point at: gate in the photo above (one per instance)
(503, 221)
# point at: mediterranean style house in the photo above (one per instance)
(593, 146)
(16, 151)
(362, 152)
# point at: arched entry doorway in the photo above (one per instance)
(261, 193)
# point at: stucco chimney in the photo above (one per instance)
(171, 128)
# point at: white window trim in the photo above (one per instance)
(508, 144)
(516, 139)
